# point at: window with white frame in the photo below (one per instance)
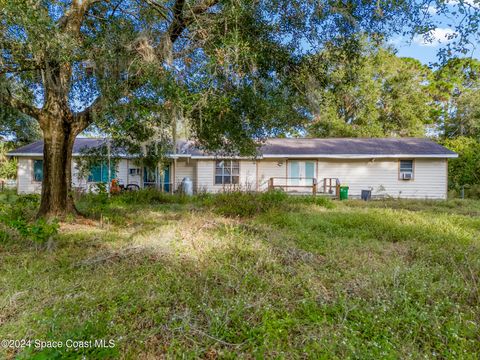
(227, 172)
(406, 170)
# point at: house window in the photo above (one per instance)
(99, 173)
(38, 170)
(227, 172)
(406, 169)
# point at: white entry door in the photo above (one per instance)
(301, 173)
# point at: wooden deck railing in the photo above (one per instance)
(330, 186)
(289, 184)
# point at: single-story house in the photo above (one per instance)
(396, 167)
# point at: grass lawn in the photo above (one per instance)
(166, 276)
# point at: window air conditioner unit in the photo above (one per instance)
(407, 176)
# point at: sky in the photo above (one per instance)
(427, 51)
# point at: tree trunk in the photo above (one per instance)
(59, 135)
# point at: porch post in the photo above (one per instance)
(159, 177)
(173, 175)
(270, 184)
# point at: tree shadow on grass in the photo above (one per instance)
(222, 289)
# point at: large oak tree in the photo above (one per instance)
(71, 64)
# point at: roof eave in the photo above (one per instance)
(277, 156)
(359, 156)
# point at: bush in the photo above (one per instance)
(472, 192)
(149, 196)
(8, 167)
(465, 169)
(39, 231)
(243, 204)
(247, 204)
(18, 212)
(231, 204)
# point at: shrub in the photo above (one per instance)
(247, 204)
(473, 192)
(149, 196)
(39, 231)
(8, 167)
(243, 204)
(465, 169)
(17, 213)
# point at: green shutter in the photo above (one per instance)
(95, 174)
(99, 173)
(38, 170)
(105, 171)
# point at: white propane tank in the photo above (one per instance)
(187, 186)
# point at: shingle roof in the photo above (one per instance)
(36, 148)
(295, 147)
(340, 148)
(354, 146)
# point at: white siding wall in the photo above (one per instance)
(125, 165)
(430, 177)
(268, 169)
(185, 169)
(122, 172)
(77, 181)
(205, 176)
(25, 183)
(205, 173)
(248, 175)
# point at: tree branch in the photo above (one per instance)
(5, 69)
(10, 101)
(84, 118)
(72, 19)
(181, 20)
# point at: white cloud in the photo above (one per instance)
(431, 9)
(434, 37)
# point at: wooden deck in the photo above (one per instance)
(306, 186)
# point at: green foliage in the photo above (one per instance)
(18, 127)
(248, 204)
(17, 213)
(245, 204)
(40, 231)
(372, 93)
(457, 86)
(465, 169)
(8, 167)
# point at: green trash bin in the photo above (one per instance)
(343, 192)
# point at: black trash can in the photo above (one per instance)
(366, 195)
